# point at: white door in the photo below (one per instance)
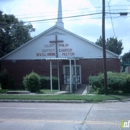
(76, 78)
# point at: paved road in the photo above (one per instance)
(63, 116)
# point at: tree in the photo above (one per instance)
(13, 33)
(99, 41)
(126, 57)
(112, 44)
(125, 60)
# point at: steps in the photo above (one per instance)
(18, 92)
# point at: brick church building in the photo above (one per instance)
(59, 52)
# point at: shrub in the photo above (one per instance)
(128, 83)
(11, 84)
(128, 79)
(45, 82)
(97, 85)
(115, 81)
(4, 79)
(32, 82)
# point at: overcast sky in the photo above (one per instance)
(89, 26)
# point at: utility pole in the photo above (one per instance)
(104, 46)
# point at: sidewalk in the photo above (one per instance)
(81, 90)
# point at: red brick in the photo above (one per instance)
(19, 68)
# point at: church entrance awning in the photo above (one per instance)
(58, 59)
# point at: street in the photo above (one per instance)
(63, 116)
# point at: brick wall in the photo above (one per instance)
(18, 69)
(95, 66)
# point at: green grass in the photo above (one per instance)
(47, 91)
(3, 91)
(42, 91)
(89, 98)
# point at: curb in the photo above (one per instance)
(123, 100)
(45, 101)
(60, 101)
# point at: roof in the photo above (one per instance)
(62, 29)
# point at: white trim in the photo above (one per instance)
(70, 76)
(51, 76)
(75, 72)
(58, 71)
(72, 58)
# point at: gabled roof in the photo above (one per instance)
(62, 29)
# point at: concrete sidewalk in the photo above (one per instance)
(81, 90)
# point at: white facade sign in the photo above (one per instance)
(58, 43)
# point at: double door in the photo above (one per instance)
(75, 73)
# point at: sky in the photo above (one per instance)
(88, 26)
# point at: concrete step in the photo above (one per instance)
(18, 92)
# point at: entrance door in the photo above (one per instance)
(75, 78)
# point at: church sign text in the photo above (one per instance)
(49, 50)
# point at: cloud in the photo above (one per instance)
(89, 27)
(80, 7)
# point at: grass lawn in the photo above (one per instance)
(47, 91)
(42, 91)
(89, 98)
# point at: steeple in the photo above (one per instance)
(59, 16)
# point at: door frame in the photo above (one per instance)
(72, 70)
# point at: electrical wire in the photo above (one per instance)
(61, 18)
(68, 17)
(70, 11)
(32, 17)
(111, 19)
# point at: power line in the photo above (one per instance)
(111, 19)
(68, 17)
(61, 18)
(79, 10)
(31, 17)
(75, 16)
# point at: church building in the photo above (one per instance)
(59, 52)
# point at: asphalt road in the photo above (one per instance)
(63, 116)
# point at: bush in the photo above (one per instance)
(97, 85)
(45, 82)
(11, 84)
(116, 82)
(5, 81)
(128, 79)
(128, 83)
(32, 82)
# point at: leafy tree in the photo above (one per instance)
(13, 33)
(125, 60)
(112, 44)
(99, 41)
(126, 57)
